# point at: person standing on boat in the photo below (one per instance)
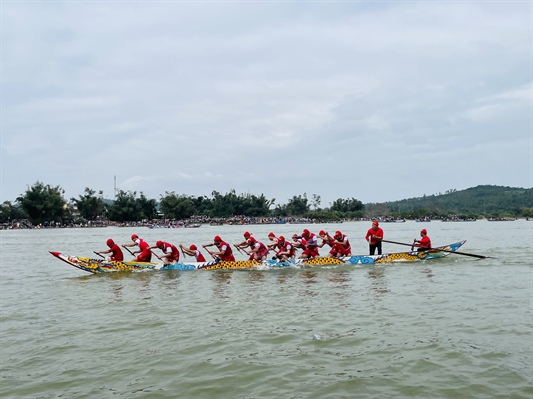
(114, 250)
(341, 247)
(170, 252)
(286, 250)
(258, 250)
(424, 243)
(224, 250)
(145, 254)
(374, 236)
(311, 245)
(193, 251)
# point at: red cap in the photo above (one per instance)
(338, 234)
(294, 235)
(110, 242)
(193, 247)
(134, 236)
(305, 233)
(159, 244)
(375, 223)
(251, 240)
(321, 233)
(246, 235)
(424, 231)
(271, 234)
(281, 238)
(217, 239)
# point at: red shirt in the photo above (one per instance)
(372, 232)
(228, 253)
(146, 253)
(263, 251)
(116, 253)
(341, 249)
(286, 246)
(425, 242)
(199, 257)
(169, 248)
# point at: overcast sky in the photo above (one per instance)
(378, 101)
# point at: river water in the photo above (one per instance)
(457, 327)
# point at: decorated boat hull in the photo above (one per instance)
(104, 266)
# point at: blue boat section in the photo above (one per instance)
(364, 260)
(179, 266)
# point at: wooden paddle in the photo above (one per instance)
(127, 249)
(442, 250)
(158, 257)
(99, 254)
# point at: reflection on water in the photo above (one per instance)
(221, 279)
(254, 276)
(378, 282)
(309, 279)
(342, 281)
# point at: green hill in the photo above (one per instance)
(472, 202)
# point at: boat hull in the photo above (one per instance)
(95, 266)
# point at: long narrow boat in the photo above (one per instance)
(103, 266)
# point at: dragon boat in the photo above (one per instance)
(104, 266)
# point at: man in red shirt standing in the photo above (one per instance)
(374, 236)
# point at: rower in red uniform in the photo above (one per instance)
(145, 254)
(243, 244)
(274, 241)
(424, 243)
(258, 250)
(286, 250)
(193, 251)
(311, 246)
(298, 242)
(224, 250)
(114, 250)
(326, 239)
(341, 247)
(170, 252)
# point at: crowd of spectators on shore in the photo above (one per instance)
(197, 221)
(157, 223)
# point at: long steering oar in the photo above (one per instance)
(443, 250)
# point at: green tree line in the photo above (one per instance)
(44, 204)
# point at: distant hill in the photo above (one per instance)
(476, 201)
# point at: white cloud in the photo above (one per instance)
(338, 99)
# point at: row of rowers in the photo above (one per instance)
(307, 242)
(281, 248)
